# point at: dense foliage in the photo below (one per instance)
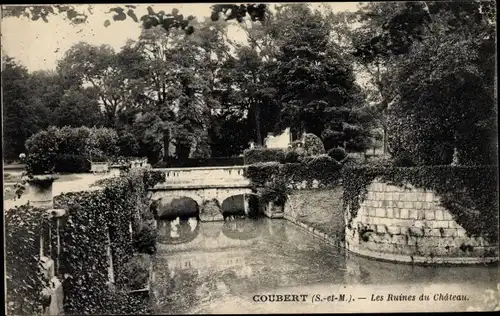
(313, 145)
(171, 95)
(24, 278)
(430, 77)
(92, 217)
(470, 193)
(69, 149)
(320, 168)
(337, 153)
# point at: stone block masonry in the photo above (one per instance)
(409, 225)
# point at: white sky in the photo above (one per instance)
(38, 45)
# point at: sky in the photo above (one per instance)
(38, 45)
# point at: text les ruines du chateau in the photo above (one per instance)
(271, 298)
(421, 297)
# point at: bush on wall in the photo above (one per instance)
(321, 168)
(470, 193)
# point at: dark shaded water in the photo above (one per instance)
(218, 267)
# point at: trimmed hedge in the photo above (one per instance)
(470, 193)
(91, 215)
(201, 162)
(69, 149)
(255, 155)
(313, 145)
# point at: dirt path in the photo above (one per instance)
(65, 183)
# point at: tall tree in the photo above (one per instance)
(107, 72)
(74, 102)
(316, 84)
(445, 88)
(22, 117)
(253, 74)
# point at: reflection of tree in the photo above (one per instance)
(178, 231)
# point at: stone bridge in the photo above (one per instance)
(209, 187)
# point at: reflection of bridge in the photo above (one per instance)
(205, 184)
(218, 235)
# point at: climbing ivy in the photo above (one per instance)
(470, 193)
(274, 181)
(24, 278)
(91, 216)
(321, 168)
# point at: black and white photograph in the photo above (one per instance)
(250, 158)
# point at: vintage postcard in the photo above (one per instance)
(219, 158)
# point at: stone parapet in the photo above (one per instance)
(410, 225)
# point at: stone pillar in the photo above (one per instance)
(39, 191)
(273, 211)
(111, 271)
(246, 205)
(56, 214)
(50, 265)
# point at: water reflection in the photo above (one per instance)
(177, 231)
(241, 228)
(202, 264)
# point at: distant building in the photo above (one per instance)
(278, 141)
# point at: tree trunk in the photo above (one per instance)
(166, 144)
(385, 142)
(258, 135)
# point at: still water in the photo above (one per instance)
(233, 266)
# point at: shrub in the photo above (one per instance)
(153, 177)
(127, 145)
(260, 173)
(338, 153)
(255, 155)
(42, 150)
(469, 193)
(71, 163)
(276, 191)
(324, 168)
(313, 145)
(68, 149)
(103, 142)
(291, 156)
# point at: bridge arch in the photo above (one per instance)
(241, 203)
(172, 207)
